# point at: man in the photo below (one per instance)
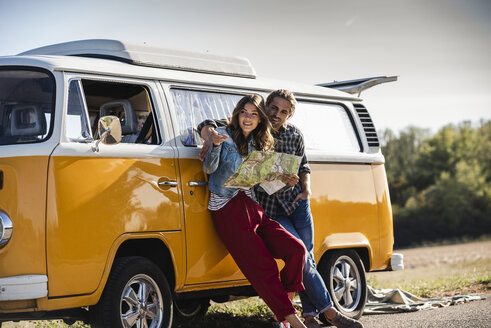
(290, 205)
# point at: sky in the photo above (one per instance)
(439, 49)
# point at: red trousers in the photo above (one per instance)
(254, 241)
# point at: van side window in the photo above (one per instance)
(193, 107)
(326, 127)
(129, 102)
(26, 106)
(77, 126)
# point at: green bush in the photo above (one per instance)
(440, 185)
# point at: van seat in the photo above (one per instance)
(123, 109)
(28, 121)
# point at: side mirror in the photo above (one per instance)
(109, 129)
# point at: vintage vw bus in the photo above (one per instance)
(108, 222)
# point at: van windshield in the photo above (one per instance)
(26, 105)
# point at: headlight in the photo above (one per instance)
(5, 229)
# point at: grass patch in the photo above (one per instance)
(250, 312)
(443, 286)
(448, 241)
(246, 313)
(458, 285)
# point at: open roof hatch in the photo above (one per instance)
(358, 85)
(144, 55)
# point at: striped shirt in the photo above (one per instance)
(217, 201)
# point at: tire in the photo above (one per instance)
(344, 276)
(136, 295)
(186, 310)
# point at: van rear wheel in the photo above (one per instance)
(136, 295)
(344, 276)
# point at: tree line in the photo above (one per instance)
(440, 185)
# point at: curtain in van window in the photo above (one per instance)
(193, 107)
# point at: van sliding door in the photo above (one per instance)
(207, 258)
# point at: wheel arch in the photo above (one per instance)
(159, 254)
(355, 241)
(139, 245)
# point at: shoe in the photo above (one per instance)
(285, 324)
(342, 321)
(312, 323)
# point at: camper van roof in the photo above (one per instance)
(144, 55)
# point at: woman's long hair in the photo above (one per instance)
(263, 140)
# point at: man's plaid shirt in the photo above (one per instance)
(288, 140)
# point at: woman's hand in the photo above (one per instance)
(217, 138)
(210, 135)
(290, 179)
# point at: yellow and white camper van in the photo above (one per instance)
(103, 201)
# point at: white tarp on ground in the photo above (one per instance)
(395, 300)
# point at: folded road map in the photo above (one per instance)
(265, 168)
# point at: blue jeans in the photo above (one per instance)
(315, 298)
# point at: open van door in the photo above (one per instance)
(358, 85)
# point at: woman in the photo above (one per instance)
(253, 239)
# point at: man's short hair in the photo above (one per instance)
(285, 94)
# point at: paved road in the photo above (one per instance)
(475, 314)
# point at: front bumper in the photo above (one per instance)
(23, 287)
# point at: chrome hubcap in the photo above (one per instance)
(141, 303)
(346, 283)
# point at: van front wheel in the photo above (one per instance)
(136, 295)
(344, 276)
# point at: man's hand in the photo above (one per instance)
(290, 179)
(302, 195)
(305, 183)
(211, 138)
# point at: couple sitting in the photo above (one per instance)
(257, 227)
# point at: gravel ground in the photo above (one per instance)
(437, 262)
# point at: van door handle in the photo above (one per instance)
(168, 183)
(197, 183)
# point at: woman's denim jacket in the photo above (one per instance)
(221, 162)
